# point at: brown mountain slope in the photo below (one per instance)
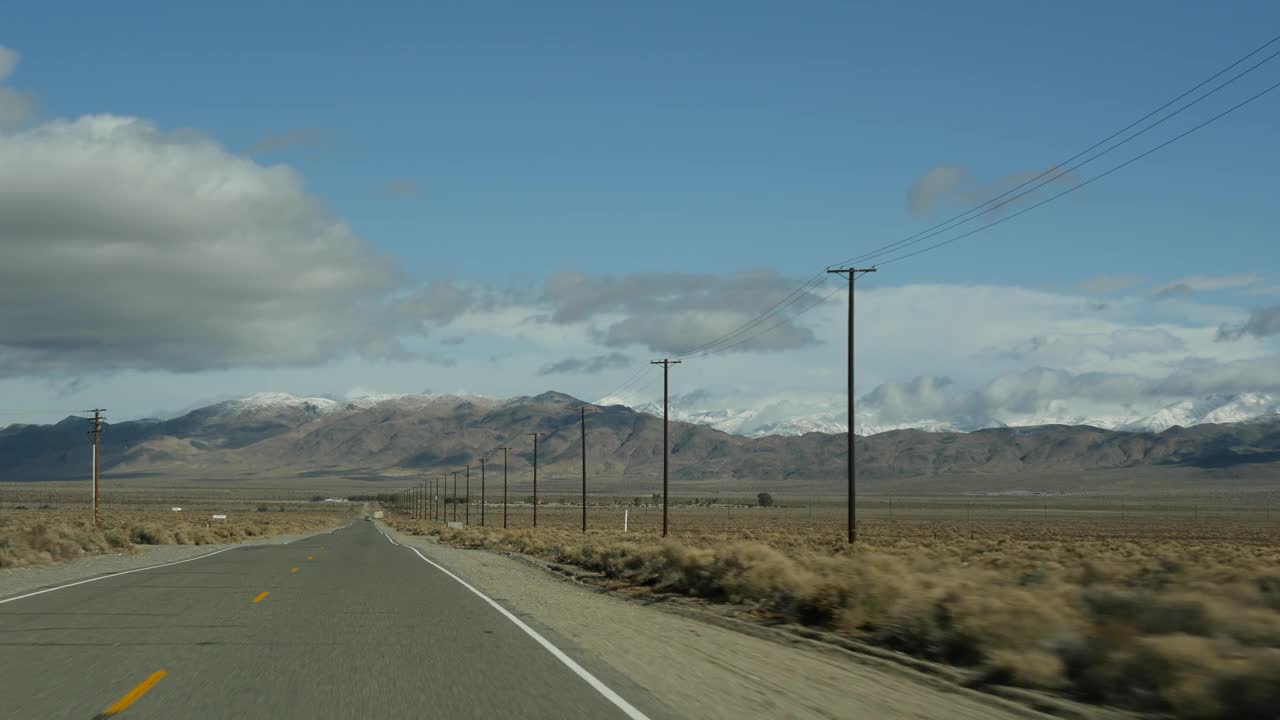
(396, 439)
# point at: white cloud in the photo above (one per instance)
(948, 353)
(1263, 322)
(8, 61)
(126, 247)
(16, 108)
(948, 185)
(1201, 283)
(1107, 284)
(674, 313)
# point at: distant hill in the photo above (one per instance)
(788, 420)
(283, 436)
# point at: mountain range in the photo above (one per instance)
(276, 435)
(1221, 408)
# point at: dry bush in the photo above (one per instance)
(39, 537)
(1185, 626)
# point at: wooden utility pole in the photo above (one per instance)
(666, 371)
(482, 460)
(96, 432)
(584, 467)
(455, 496)
(535, 478)
(852, 462)
(504, 487)
(466, 512)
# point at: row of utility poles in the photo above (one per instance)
(417, 500)
(426, 499)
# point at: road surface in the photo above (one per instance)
(340, 625)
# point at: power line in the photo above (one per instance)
(921, 237)
(774, 326)
(630, 381)
(717, 344)
(795, 296)
(982, 208)
(1093, 179)
(1080, 154)
(790, 299)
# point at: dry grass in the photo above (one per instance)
(42, 536)
(1181, 619)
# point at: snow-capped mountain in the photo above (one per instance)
(735, 422)
(277, 402)
(1219, 409)
(1243, 407)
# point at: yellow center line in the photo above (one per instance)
(261, 596)
(132, 697)
(311, 557)
(293, 570)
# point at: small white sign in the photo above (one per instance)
(219, 517)
(455, 525)
(176, 509)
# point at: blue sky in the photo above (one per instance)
(528, 139)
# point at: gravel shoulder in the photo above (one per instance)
(706, 671)
(16, 581)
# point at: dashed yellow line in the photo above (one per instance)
(311, 557)
(293, 570)
(133, 695)
(261, 596)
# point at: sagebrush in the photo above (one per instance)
(1184, 627)
(39, 537)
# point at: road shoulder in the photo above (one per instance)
(705, 670)
(17, 581)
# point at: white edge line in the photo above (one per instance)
(578, 670)
(116, 574)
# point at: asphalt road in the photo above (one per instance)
(362, 629)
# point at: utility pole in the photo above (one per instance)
(455, 496)
(666, 371)
(852, 463)
(535, 478)
(466, 512)
(504, 487)
(584, 467)
(96, 432)
(482, 492)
